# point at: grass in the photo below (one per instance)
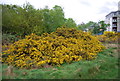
(105, 66)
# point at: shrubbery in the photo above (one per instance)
(64, 45)
(8, 38)
(109, 36)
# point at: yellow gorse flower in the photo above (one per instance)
(109, 36)
(63, 45)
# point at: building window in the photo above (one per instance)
(118, 13)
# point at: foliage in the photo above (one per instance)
(100, 27)
(26, 19)
(70, 23)
(94, 27)
(88, 25)
(18, 20)
(53, 18)
(56, 48)
(7, 38)
(109, 36)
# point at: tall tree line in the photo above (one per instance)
(23, 20)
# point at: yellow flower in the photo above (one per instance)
(64, 45)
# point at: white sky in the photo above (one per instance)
(79, 10)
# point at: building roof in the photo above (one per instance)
(112, 13)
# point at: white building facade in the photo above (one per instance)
(113, 19)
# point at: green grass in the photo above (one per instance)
(105, 66)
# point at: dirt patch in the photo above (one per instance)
(111, 45)
(116, 49)
(9, 72)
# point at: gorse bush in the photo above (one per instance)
(56, 48)
(109, 36)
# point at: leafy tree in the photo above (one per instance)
(26, 19)
(100, 27)
(53, 18)
(57, 16)
(94, 27)
(88, 25)
(34, 19)
(18, 20)
(70, 23)
(46, 19)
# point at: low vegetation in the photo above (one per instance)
(64, 45)
(109, 36)
(105, 66)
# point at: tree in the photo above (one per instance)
(26, 19)
(22, 20)
(46, 19)
(53, 18)
(100, 27)
(57, 15)
(88, 25)
(70, 23)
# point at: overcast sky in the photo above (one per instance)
(79, 10)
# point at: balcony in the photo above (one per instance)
(114, 20)
(114, 29)
(114, 25)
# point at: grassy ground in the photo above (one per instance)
(104, 67)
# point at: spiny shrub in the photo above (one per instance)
(109, 36)
(56, 48)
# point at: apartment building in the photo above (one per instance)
(113, 18)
